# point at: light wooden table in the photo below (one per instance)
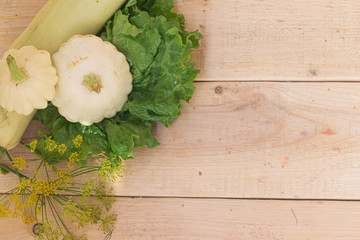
(268, 148)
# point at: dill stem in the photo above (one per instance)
(33, 160)
(42, 210)
(14, 171)
(58, 196)
(39, 165)
(52, 208)
(70, 191)
(7, 194)
(84, 169)
(43, 197)
(59, 216)
(76, 183)
(84, 172)
(37, 202)
(47, 174)
(24, 144)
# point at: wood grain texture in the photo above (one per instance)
(276, 39)
(244, 140)
(253, 140)
(14, 18)
(215, 219)
(252, 40)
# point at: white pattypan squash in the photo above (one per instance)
(94, 79)
(27, 80)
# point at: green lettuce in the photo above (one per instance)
(158, 48)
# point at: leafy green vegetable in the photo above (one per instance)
(158, 48)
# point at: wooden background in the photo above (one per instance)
(268, 148)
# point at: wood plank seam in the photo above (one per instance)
(239, 198)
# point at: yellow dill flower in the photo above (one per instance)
(18, 210)
(73, 159)
(44, 188)
(62, 148)
(65, 178)
(23, 184)
(103, 195)
(16, 214)
(51, 145)
(14, 197)
(62, 173)
(110, 171)
(47, 231)
(82, 216)
(4, 211)
(86, 190)
(77, 141)
(32, 199)
(19, 163)
(32, 145)
(108, 223)
(27, 219)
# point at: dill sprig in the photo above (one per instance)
(48, 199)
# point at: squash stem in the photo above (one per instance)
(18, 75)
(92, 82)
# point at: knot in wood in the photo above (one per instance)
(218, 90)
(36, 228)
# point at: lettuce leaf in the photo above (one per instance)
(158, 48)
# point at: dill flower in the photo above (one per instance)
(37, 196)
(32, 199)
(86, 190)
(14, 197)
(62, 173)
(23, 184)
(62, 148)
(18, 210)
(44, 187)
(79, 214)
(4, 211)
(51, 145)
(110, 171)
(28, 219)
(18, 163)
(77, 141)
(107, 224)
(103, 196)
(32, 145)
(47, 231)
(73, 159)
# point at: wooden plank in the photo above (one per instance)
(252, 40)
(15, 15)
(275, 39)
(215, 219)
(253, 140)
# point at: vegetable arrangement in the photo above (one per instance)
(109, 90)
